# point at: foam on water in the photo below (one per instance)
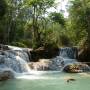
(36, 75)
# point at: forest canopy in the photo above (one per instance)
(27, 23)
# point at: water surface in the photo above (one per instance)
(48, 81)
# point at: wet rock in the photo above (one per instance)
(76, 68)
(56, 64)
(66, 55)
(43, 52)
(41, 65)
(6, 74)
(84, 55)
(3, 47)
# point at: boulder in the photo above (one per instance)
(76, 68)
(56, 63)
(6, 74)
(3, 47)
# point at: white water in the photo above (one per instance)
(36, 75)
(16, 59)
(48, 75)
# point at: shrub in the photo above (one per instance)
(27, 42)
(65, 41)
(19, 44)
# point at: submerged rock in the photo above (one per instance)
(6, 74)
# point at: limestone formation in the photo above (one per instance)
(41, 65)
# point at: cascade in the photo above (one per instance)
(68, 56)
(16, 59)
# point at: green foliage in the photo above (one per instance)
(39, 8)
(26, 42)
(65, 40)
(26, 23)
(79, 17)
(3, 7)
(41, 4)
(57, 18)
(19, 44)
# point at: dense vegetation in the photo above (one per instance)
(28, 23)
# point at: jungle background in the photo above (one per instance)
(30, 23)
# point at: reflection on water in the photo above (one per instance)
(48, 81)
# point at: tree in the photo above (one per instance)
(13, 22)
(3, 7)
(80, 18)
(57, 18)
(39, 8)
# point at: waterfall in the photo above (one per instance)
(69, 55)
(66, 56)
(68, 52)
(16, 59)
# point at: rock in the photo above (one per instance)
(6, 74)
(84, 52)
(56, 64)
(41, 65)
(76, 68)
(3, 47)
(43, 52)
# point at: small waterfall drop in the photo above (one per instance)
(67, 55)
(68, 58)
(16, 59)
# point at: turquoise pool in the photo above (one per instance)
(48, 81)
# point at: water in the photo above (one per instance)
(68, 52)
(42, 80)
(16, 60)
(48, 81)
(67, 55)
